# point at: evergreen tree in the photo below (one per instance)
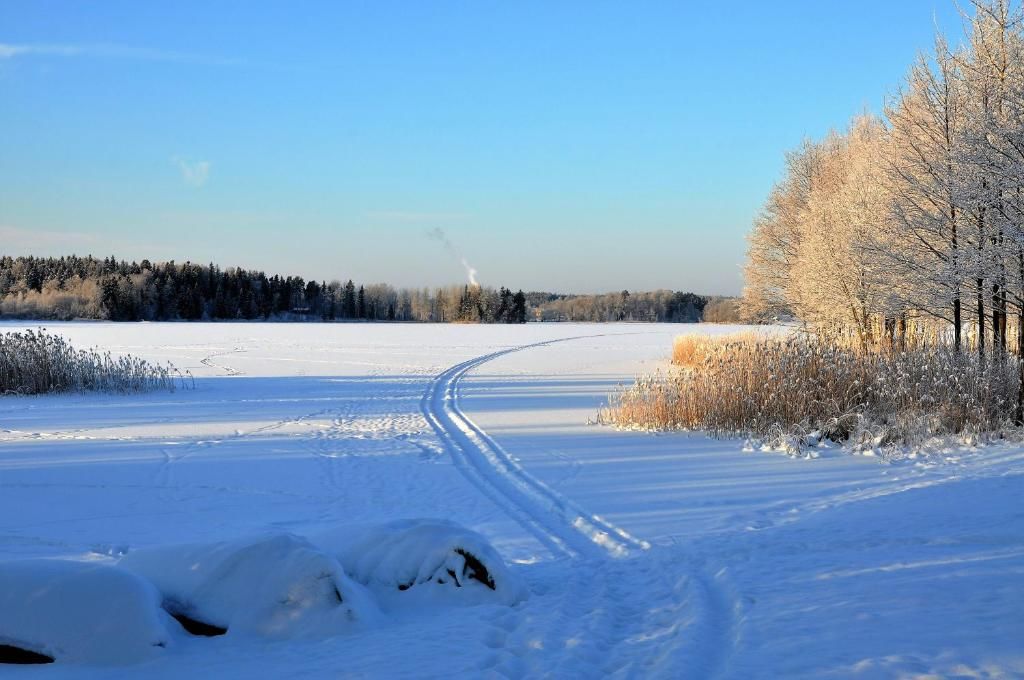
(349, 302)
(519, 308)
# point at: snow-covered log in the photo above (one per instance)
(79, 612)
(424, 561)
(277, 585)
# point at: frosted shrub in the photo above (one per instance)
(34, 362)
(800, 390)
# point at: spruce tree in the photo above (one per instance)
(519, 307)
(349, 302)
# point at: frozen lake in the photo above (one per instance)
(668, 555)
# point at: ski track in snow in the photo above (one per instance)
(549, 515)
(358, 427)
(624, 613)
(228, 370)
(163, 479)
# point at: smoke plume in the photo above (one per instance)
(437, 234)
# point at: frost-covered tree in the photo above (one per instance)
(919, 217)
(923, 239)
(992, 156)
(775, 242)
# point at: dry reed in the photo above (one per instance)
(36, 362)
(800, 390)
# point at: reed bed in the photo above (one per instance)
(691, 351)
(36, 362)
(801, 390)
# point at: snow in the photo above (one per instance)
(81, 612)
(403, 561)
(372, 452)
(277, 585)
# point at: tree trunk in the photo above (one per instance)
(981, 319)
(981, 286)
(996, 349)
(1019, 416)
(1004, 314)
(956, 322)
(957, 312)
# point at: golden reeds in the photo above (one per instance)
(805, 388)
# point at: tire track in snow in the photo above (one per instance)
(556, 521)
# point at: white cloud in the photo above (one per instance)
(195, 173)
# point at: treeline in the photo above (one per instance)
(659, 305)
(914, 219)
(73, 287)
(89, 288)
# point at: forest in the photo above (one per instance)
(89, 288)
(656, 306)
(915, 219)
(73, 287)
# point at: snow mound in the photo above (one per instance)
(403, 562)
(80, 612)
(276, 586)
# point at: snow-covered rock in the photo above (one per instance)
(82, 612)
(277, 585)
(408, 561)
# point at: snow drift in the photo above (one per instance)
(277, 586)
(81, 612)
(403, 562)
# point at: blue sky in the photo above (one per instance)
(571, 146)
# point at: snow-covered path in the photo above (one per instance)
(645, 555)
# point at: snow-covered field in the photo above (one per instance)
(629, 554)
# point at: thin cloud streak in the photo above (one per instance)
(16, 238)
(51, 243)
(414, 217)
(11, 51)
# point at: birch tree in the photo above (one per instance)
(924, 234)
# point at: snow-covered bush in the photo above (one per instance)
(81, 612)
(278, 585)
(406, 560)
(798, 390)
(34, 362)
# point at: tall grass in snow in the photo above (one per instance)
(34, 362)
(798, 390)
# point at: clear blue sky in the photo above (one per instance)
(572, 146)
